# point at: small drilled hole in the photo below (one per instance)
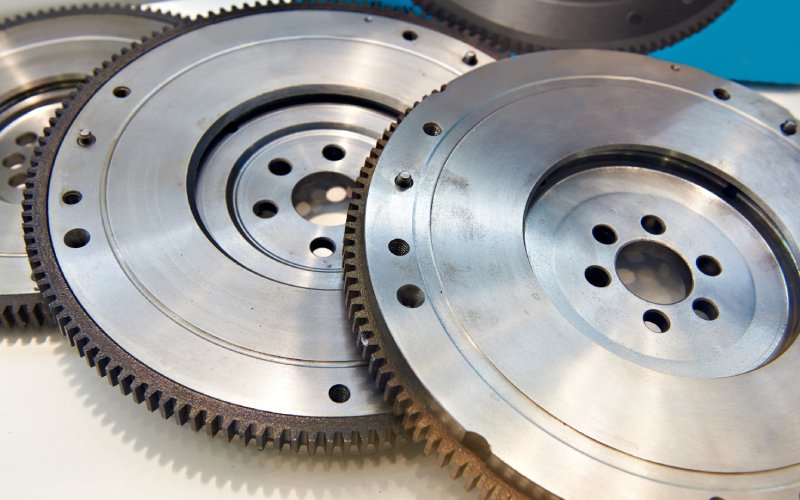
(705, 309)
(597, 276)
(653, 224)
(279, 166)
(635, 18)
(410, 35)
(604, 234)
(72, 197)
(322, 247)
(13, 160)
(709, 265)
(332, 152)
(410, 296)
(265, 209)
(722, 94)
(432, 129)
(26, 139)
(121, 92)
(399, 247)
(77, 238)
(17, 180)
(656, 321)
(339, 393)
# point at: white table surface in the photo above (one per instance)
(65, 433)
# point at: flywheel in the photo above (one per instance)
(630, 25)
(575, 273)
(186, 215)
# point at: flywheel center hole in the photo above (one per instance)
(654, 272)
(323, 198)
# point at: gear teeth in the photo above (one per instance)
(510, 45)
(73, 10)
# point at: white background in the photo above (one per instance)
(65, 433)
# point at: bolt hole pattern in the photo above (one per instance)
(597, 276)
(653, 225)
(604, 234)
(265, 209)
(432, 129)
(722, 94)
(26, 139)
(411, 296)
(332, 152)
(339, 393)
(72, 197)
(13, 160)
(18, 180)
(709, 265)
(279, 166)
(656, 321)
(121, 92)
(322, 247)
(77, 238)
(705, 309)
(399, 247)
(410, 35)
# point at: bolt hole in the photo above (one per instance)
(604, 234)
(597, 276)
(656, 321)
(26, 139)
(410, 35)
(432, 129)
(72, 197)
(322, 247)
(279, 166)
(410, 296)
(789, 127)
(77, 238)
(86, 138)
(399, 247)
(17, 180)
(709, 265)
(705, 309)
(13, 160)
(121, 92)
(265, 209)
(635, 18)
(339, 393)
(470, 58)
(653, 224)
(722, 94)
(333, 152)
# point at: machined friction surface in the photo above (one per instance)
(43, 57)
(528, 25)
(185, 215)
(616, 284)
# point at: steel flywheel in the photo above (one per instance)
(575, 273)
(630, 25)
(185, 215)
(43, 57)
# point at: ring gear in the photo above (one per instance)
(43, 57)
(199, 271)
(529, 25)
(505, 276)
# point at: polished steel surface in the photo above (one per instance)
(597, 274)
(206, 242)
(42, 59)
(634, 25)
